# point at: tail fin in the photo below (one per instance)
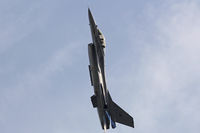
(120, 116)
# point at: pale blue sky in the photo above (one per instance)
(152, 64)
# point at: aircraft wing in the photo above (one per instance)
(120, 116)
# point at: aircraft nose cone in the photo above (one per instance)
(92, 22)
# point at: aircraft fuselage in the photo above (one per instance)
(108, 111)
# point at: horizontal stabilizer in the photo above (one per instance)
(120, 116)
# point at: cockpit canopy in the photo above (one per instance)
(102, 39)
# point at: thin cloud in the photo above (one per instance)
(167, 78)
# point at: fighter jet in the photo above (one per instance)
(108, 111)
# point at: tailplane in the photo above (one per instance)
(119, 115)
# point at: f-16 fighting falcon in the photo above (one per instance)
(108, 111)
